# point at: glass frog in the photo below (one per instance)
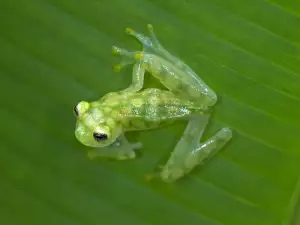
(102, 123)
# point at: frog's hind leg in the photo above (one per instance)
(151, 44)
(188, 82)
(189, 153)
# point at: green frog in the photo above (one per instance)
(102, 123)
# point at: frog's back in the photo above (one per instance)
(153, 108)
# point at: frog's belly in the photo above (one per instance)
(149, 116)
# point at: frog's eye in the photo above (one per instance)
(81, 108)
(75, 109)
(99, 136)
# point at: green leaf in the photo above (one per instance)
(54, 53)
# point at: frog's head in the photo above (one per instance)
(94, 128)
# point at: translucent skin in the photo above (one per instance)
(103, 123)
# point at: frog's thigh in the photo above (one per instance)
(188, 153)
(187, 84)
(193, 132)
(121, 149)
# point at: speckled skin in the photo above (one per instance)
(103, 123)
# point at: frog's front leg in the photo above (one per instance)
(189, 153)
(121, 149)
(138, 71)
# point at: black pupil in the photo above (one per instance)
(76, 110)
(100, 137)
